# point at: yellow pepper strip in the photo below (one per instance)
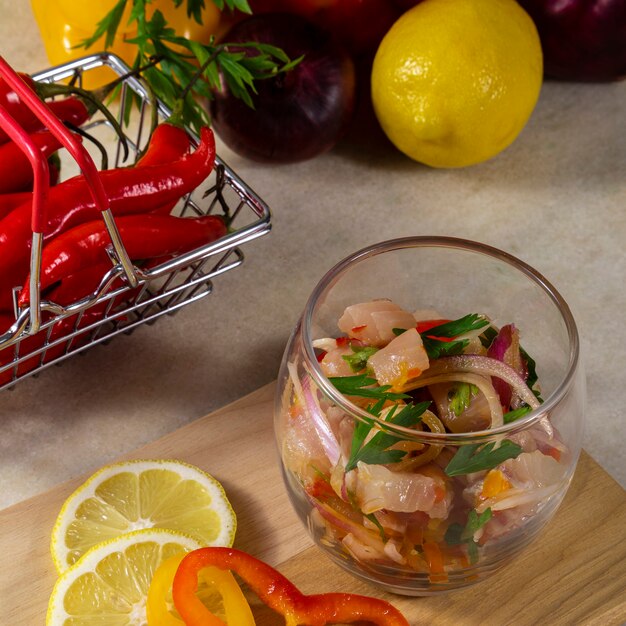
(157, 611)
(236, 608)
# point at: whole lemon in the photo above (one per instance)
(455, 81)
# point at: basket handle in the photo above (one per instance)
(41, 174)
(82, 158)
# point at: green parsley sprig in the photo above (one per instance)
(477, 457)
(436, 348)
(458, 534)
(358, 359)
(463, 325)
(362, 385)
(515, 414)
(171, 62)
(376, 450)
(461, 396)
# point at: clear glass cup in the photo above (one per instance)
(451, 541)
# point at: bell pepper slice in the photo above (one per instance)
(276, 591)
(236, 607)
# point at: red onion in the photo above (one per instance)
(469, 377)
(299, 114)
(505, 348)
(321, 425)
(486, 366)
(581, 39)
(347, 525)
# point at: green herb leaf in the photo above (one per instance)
(477, 457)
(172, 76)
(362, 385)
(532, 379)
(240, 5)
(107, 25)
(461, 397)
(457, 534)
(488, 335)
(463, 325)
(372, 518)
(515, 414)
(436, 348)
(358, 360)
(375, 451)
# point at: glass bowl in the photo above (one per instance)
(442, 493)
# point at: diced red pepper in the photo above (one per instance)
(423, 328)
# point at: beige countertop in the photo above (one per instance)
(556, 198)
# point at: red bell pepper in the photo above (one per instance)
(144, 237)
(276, 591)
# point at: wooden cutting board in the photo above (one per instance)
(575, 573)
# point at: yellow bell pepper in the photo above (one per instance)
(64, 24)
(236, 609)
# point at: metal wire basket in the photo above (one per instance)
(26, 348)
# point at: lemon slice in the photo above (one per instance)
(134, 495)
(109, 584)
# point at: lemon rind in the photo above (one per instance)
(87, 489)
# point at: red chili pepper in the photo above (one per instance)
(70, 109)
(425, 326)
(144, 237)
(168, 143)
(16, 172)
(10, 201)
(130, 190)
(422, 327)
(276, 591)
(83, 283)
(76, 286)
(29, 344)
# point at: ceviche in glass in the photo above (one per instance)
(421, 448)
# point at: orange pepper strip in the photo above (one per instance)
(434, 558)
(276, 591)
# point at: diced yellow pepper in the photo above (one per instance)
(495, 482)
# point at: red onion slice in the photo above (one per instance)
(320, 423)
(483, 384)
(347, 525)
(485, 366)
